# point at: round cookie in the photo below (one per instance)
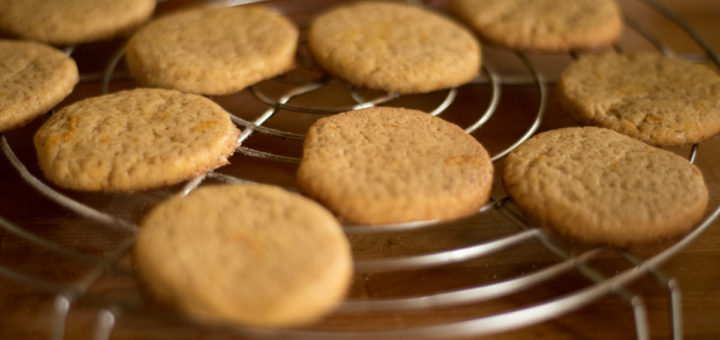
(394, 47)
(33, 79)
(249, 254)
(212, 51)
(67, 22)
(390, 165)
(544, 25)
(134, 140)
(599, 186)
(659, 100)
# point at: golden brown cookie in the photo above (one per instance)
(659, 100)
(250, 254)
(599, 186)
(134, 140)
(389, 165)
(545, 25)
(394, 47)
(212, 50)
(67, 22)
(33, 79)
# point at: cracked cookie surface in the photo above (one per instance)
(545, 25)
(599, 186)
(33, 79)
(133, 140)
(67, 22)
(390, 165)
(212, 51)
(394, 47)
(660, 100)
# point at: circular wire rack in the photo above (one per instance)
(273, 116)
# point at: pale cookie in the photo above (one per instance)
(544, 25)
(659, 100)
(599, 186)
(33, 79)
(390, 165)
(249, 254)
(394, 47)
(212, 51)
(134, 140)
(67, 22)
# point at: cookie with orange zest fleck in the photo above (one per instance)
(133, 140)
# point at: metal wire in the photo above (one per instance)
(543, 93)
(407, 226)
(42, 284)
(445, 257)
(226, 178)
(68, 293)
(108, 74)
(513, 319)
(63, 200)
(469, 295)
(494, 99)
(639, 310)
(673, 290)
(192, 185)
(104, 325)
(689, 30)
(264, 129)
(44, 243)
(61, 307)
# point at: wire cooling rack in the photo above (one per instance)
(273, 116)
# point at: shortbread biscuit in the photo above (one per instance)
(390, 165)
(134, 140)
(394, 47)
(599, 186)
(249, 254)
(544, 25)
(212, 51)
(33, 79)
(67, 22)
(660, 100)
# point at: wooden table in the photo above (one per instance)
(30, 311)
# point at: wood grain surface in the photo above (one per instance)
(28, 308)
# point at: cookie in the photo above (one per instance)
(134, 140)
(33, 79)
(249, 254)
(394, 47)
(543, 25)
(390, 165)
(657, 99)
(68, 22)
(599, 186)
(212, 51)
